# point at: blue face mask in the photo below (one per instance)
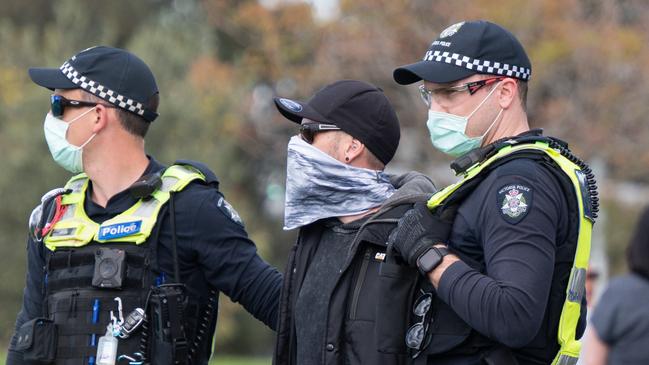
(63, 152)
(448, 131)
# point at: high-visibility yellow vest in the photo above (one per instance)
(569, 346)
(134, 225)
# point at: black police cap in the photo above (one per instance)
(467, 48)
(358, 108)
(113, 74)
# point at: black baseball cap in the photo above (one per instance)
(113, 74)
(358, 108)
(467, 48)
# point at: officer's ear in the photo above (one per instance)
(507, 93)
(102, 115)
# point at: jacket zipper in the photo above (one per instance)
(359, 282)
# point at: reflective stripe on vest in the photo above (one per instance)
(569, 346)
(134, 225)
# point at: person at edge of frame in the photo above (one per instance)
(507, 283)
(619, 328)
(126, 262)
(344, 205)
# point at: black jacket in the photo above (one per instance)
(508, 291)
(350, 336)
(214, 253)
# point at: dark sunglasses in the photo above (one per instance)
(418, 333)
(309, 130)
(58, 104)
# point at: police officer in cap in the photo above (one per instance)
(504, 251)
(125, 263)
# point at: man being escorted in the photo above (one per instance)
(125, 263)
(345, 207)
(509, 279)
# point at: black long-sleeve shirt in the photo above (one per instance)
(507, 231)
(214, 251)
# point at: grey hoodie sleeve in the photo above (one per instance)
(411, 187)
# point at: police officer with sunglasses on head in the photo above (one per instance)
(126, 262)
(506, 248)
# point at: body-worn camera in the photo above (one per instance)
(109, 268)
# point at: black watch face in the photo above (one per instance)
(428, 261)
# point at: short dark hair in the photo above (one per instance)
(370, 158)
(637, 254)
(522, 93)
(374, 161)
(131, 122)
(522, 90)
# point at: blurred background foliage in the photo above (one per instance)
(218, 64)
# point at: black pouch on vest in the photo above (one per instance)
(37, 341)
(398, 284)
(167, 305)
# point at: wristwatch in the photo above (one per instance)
(430, 259)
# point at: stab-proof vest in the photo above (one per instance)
(582, 184)
(82, 309)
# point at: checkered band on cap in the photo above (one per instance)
(101, 91)
(481, 66)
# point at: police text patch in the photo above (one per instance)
(119, 230)
(514, 202)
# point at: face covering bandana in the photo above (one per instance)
(65, 154)
(319, 186)
(447, 131)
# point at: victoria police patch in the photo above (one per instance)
(229, 211)
(514, 202)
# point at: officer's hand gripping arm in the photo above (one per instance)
(420, 229)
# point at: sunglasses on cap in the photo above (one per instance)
(309, 130)
(58, 104)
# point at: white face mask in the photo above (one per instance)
(319, 186)
(448, 131)
(63, 152)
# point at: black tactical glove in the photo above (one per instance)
(419, 229)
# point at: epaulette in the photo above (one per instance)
(210, 177)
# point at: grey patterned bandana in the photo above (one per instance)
(319, 186)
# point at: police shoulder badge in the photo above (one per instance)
(514, 202)
(229, 210)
